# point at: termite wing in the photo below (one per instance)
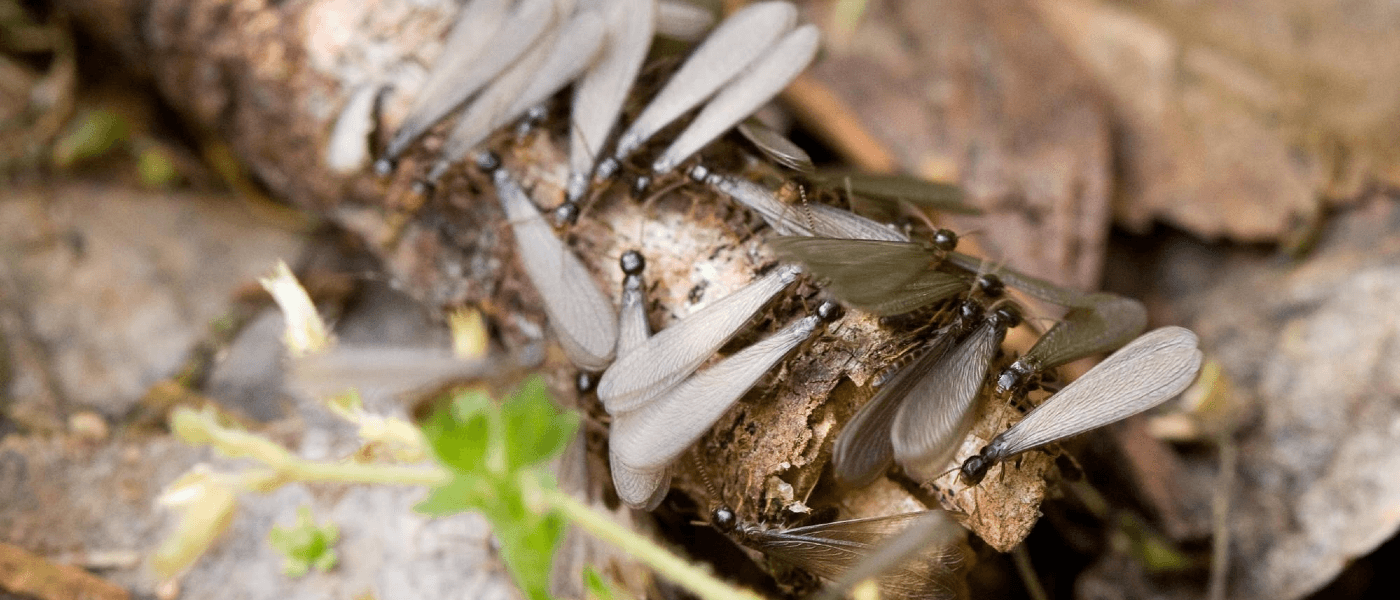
(935, 383)
(776, 146)
(1096, 322)
(889, 277)
(745, 94)
(728, 50)
(919, 552)
(1151, 369)
(882, 277)
(940, 406)
(674, 353)
(638, 488)
(600, 92)
(682, 20)
(481, 46)
(557, 58)
(582, 317)
(654, 435)
(806, 220)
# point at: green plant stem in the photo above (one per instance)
(699, 581)
(310, 471)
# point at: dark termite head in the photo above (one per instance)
(724, 519)
(1007, 315)
(830, 311)
(974, 469)
(945, 240)
(990, 286)
(585, 382)
(632, 262)
(565, 214)
(488, 162)
(969, 311)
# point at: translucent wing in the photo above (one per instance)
(654, 435)
(898, 188)
(744, 95)
(938, 411)
(642, 489)
(929, 529)
(1105, 326)
(581, 315)
(579, 44)
(599, 94)
(1034, 286)
(776, 146)
(807, 220)
(830, 550)
(731, 47)
(881, 277)
(380, 370)
(682, 20)
(863, 451)
(1151, 369)
(506, 41)
(675, 352)
(557, 58)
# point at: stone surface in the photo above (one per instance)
(116, 286)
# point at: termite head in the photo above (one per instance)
(945, 240)
(724, 519)
(632, 262)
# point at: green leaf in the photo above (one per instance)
(498, 455)
(305, 544)
(535, 430)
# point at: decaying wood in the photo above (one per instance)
(271, 79)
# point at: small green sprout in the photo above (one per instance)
(306, 544)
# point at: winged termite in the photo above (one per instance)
(600, 92)
(638, 488)
(878, 276)
(557, 58)
(1108, 324)
(940, 406)
(581, 315)
(786, 219)
(655, 434)
(682, 20)
(863, 450)
(463, 72)
(672, 355)
(1151, 369)
(728, 50)
(831, 550)
(745, 94)
(1097, 322)
(776, 146)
